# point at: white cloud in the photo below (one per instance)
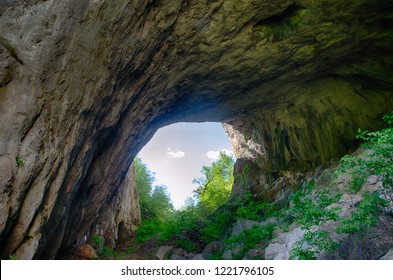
(215, 154)
(175, 153)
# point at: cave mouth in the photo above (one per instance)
(176, 154)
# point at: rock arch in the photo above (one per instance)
(85, 84)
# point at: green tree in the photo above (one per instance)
(160, 202)
(144, 179)
(214, 188)
(155, 201)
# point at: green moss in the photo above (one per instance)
(279, 30)
(19, 161)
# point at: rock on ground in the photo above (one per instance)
(86, 252)
(163, 252)
(388, 255)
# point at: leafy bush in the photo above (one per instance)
(313, 243)
(364, 216)
(249, 238)
(252, 210)
(108, 252)
(377, 160)
(309, 206)
(216, 227)
(148, 229)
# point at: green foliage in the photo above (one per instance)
(249, 238)
(364, 216)
(214, 188)
(254, 210)
(308, 206)
(148, 229)
(154, 200)
(160, 203)
(180, 221)
(281, 29)
(185, 244)
(108, 252)
(377, 160)
(160, 219)
(313, 243)
(309, 209)
(12, 257)
(96, 239)
(19, 161)
(216, 226)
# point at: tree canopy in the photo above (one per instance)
(214, 188)
(154, 200)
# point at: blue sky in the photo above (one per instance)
(177, 152)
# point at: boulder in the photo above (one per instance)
(280, 247)
(163, 252)
(86, 252)
(232, 253)
(198, 257)
(388, 255)
(212, 248)
(241, 225)
(256, 253)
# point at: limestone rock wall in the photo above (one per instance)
(84, 84)
(317, 125)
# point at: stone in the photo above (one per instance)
(84, 85)
(373, 179)
(280, 247)
(198, 257)
(212, 248)
(350, 200)
(86, 252)
(163, 252)
(371, 246)
(177, 257)
(232, 253)
(256, 253)
(388, 255)
(271, 220)
(241, 225)
(180, 252)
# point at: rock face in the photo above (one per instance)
(84, 84)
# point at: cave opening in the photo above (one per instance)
(176, 154)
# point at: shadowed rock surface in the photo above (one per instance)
(85, 84)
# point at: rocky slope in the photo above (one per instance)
(85, 84)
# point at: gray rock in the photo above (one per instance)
(271, 220)
(232, 253)
(163, 252)
(280, 247)
(180, 252)
(388, 255)
(241, 225)
(177, 257)
(198, 257)
(350, 200)
(212, 248)
(256, 253)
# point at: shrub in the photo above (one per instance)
(364, 216)
(313, 243)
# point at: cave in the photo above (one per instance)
(84, 85)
